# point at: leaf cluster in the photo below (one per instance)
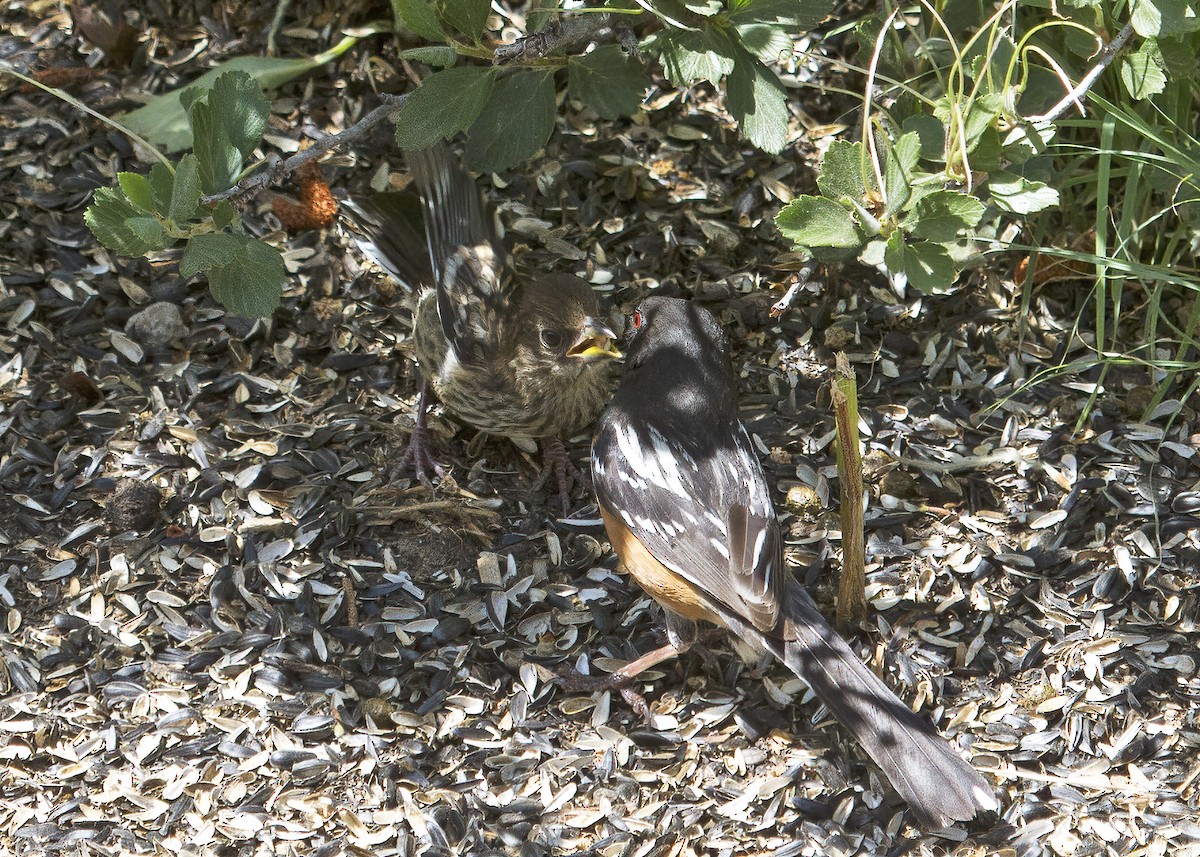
(945, 153)
(508, 112)
(150, 213)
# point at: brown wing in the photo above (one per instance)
(473, 282)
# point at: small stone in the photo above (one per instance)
(157, 326)
(134, 505)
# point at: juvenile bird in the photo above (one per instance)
(523, 358)
(687, 508)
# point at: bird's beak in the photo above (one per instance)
(595, 343)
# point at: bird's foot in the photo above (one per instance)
(564, 470)
(575, 682)
(418, 457)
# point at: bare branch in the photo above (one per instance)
(275, 169)
(559, 35)
(1105, 57)
(801, 277)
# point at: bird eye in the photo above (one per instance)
(637, 319)
(551, 338)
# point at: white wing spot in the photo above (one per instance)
(720, 547)
(759, 542)
(658, 468)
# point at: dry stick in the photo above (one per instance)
(852, 596)
(559, 34)
(1107, 54)
(276, 169)
(798, 279)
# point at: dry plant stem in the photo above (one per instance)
(852, 598)
(801, 277)
(351, 601)
(1107, 54)
(277, 169)
(559, 35)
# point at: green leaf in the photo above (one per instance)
(1146, 18)
(185, 194)
(691, 56)
(988, 153)
(814, 221)
(1019, 195)
(1164, 17)
(149, 231)
(205, 252)
(607, 80)
(843, 171)
(242, 109)
(539, 13)
(1143, 71)
(438, 56)
(941, 215)
(418, 17)
(757, 101)
(927, 267)
(219, 161)
(514, 124)
(793, 14)
(467, 16)
(707, 8)
(1179, 59)
(446, 102)
(982, 116)
(227, 125)
(224, 214)
(162, 187)
(899, 170)
(245, 275)
(765, 41)
(108, 217)
(932, 133)
(163, 120)
(137, 190)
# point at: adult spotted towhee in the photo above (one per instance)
(518, 357)
(687, 507)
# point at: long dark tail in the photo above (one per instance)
(921, 765)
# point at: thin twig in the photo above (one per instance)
(1107, 54)
(559, 35)
(275, 169)
(801, 277)
(281, 7)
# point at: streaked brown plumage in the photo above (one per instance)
(522, 358)
(686, 506)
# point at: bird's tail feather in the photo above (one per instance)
(388, 228)
(936, 782)
(455, 213)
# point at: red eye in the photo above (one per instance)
(636, 321)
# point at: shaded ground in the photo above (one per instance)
(297, 656)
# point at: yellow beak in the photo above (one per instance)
(596, 343)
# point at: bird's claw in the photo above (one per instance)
(418, 458)
(564, 470)
(578, 683)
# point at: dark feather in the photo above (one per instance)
(673, 461)
(388, 227)
(921, 765)
(474, 284)
(672, 456)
